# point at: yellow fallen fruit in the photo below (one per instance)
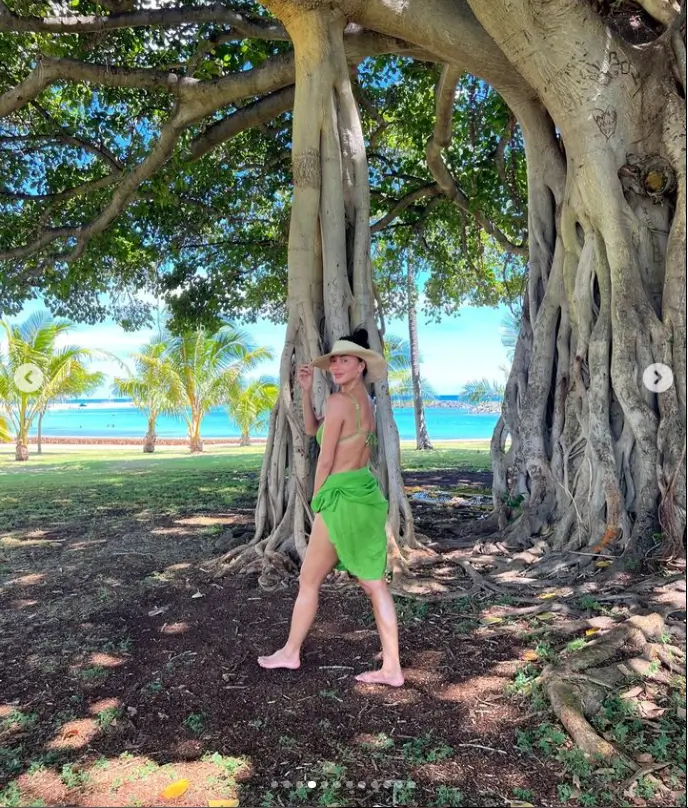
(602, 564)
(531, 656)
(175, 789)
(223, 803)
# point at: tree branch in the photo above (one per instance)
(500, 162)
(201, 97)
(371, 109)
(125, 191)
(46, 237)
(254, 114)
(77, 190)
(441, 138)
(50, 69)
(277, 74)
(71, 139)
(405, 202)
(164, 17)
(68, 139)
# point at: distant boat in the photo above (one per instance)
(82, 405)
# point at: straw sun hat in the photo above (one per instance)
(375, 362)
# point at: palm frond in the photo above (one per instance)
(509, 330)
(482, 391)
(5, 430)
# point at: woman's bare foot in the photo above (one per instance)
(280, 659)
(382, 677)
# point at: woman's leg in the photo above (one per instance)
(386, 621)
(320, 559)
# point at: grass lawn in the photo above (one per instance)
(91, 485)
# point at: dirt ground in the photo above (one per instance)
(125, 668)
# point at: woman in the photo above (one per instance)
(350, 510)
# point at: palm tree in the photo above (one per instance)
(64, 372)
(149, 387)
(79, 382)
(202, 368)
(250, 403)
(422, 438)
(397, 352)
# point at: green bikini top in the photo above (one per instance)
(370, 436)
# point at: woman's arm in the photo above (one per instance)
(334, 421)
(309, 418)
(311, 422)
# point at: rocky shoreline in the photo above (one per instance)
(489, 408)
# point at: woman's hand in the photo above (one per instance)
(306, 378)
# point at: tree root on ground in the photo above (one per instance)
(577, 687)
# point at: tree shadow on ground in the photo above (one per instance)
(126, 667)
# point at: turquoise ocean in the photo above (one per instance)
(93, 418)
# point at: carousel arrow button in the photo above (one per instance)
(28, 378)
(658, 377)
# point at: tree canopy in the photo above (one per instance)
(149, 151)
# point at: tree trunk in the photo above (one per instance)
(195, 442)
(245, 439)
(330, 292)
(39, 446)
(22, 449)
(150, 440)
(598, 457)
(22, 441)
(422, 439)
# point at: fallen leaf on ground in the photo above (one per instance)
(590, 631)
(488, 621)
(197, 595)
(547, 595)
(519, 804)
(223, 803)
(648, 709)
(158, 610)
(603, 564)
(531, 656)
(545, 616)
(175, 790)
(632, 693)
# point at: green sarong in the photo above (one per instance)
(355, 513)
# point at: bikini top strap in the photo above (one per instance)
(358, 412)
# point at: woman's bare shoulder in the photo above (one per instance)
(337, 402)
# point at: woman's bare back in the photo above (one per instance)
(353, 448)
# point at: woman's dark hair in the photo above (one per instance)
(360, 337)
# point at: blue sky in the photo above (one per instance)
(454, 351)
